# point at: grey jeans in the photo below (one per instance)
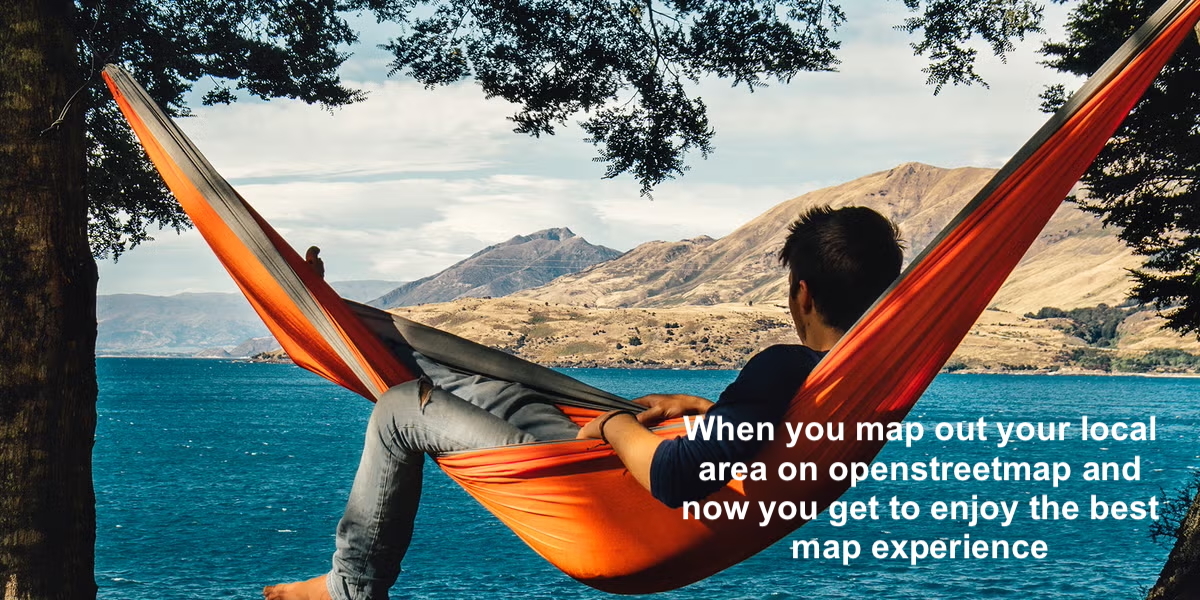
(463, 412)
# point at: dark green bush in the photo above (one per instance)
(1088, 358)
(1096, 325)
(1159, 359)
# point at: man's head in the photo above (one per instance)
(840, 261)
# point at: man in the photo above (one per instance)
(839, 262)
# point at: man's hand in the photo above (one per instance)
(661, 407)
(591, 431)
(634, 444)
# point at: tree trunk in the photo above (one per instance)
(47, 313)
(1180, 577)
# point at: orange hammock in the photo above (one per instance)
(572, 501)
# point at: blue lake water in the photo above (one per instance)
(215, 478)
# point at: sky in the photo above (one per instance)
(411, 180)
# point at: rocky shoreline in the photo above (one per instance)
(591, 364)
(725, 337)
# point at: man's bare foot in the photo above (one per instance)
(313, 589)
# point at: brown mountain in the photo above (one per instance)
(1074, 263)
(520, 263)
(712, 303)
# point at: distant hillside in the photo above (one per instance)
(1075, 262)
(179, 324)
(725, 336)
(362, 290)
(215, 324)
(523, 262)
(224, 325)
(711, 303)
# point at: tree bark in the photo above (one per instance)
(1180, 577)
(47, 313)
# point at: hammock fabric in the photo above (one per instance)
(572, 501)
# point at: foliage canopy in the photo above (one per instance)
(1146, 181)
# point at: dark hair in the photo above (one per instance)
(847, 256)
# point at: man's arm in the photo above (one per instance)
(633, 443)
(631, 440)
(671, 469)
(660, 407)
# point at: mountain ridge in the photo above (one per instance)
(736, 280)
(518, 263)
(191, 322)
(1075, 261)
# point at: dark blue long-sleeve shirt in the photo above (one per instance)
(760, 394)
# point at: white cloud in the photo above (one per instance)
(400, 128)
(374, 232)
(170, 264)
(877, 110)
